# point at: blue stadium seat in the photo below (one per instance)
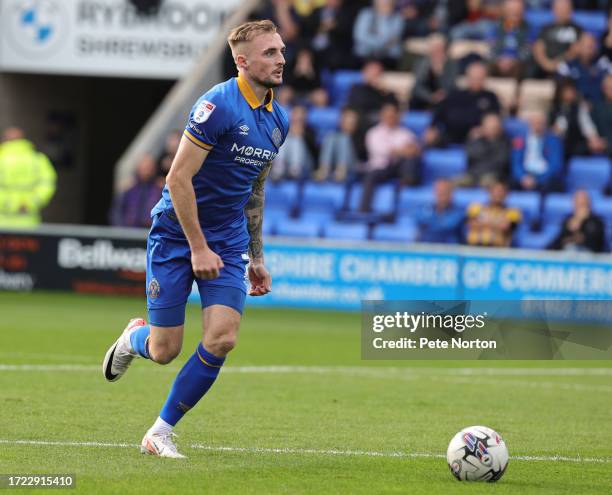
(536, 20)
(556, 207)
(352, 231)
(283, 194)
(603, 207)
(327, 196)
(515, 127)
(317, 216)
(342, 82)
(536, 240)
(298, 228)
(526, 201)
(323, 120)
(591, 21)
(413, 199)
(417, 122)
(463, 197)
(382, 202)
(590, 173)
(399, 232)
(443, 163)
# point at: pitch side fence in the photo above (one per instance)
(309, 274)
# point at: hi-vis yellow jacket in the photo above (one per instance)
(27, 183)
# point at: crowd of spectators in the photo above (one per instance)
(371, 146)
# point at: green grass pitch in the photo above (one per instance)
(294, 411)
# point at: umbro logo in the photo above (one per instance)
(244, 130)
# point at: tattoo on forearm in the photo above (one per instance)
(254, 213)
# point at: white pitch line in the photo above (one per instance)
(354, 370)
(293, 451)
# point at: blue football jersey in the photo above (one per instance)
(241, 136)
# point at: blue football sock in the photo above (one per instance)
(193, 381)
(140, 341)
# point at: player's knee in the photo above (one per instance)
(222, 345)
(164, 354)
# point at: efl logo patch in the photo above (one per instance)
(203, 111)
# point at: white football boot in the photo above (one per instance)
(160, 445)
(120, 355)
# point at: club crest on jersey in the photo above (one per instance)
(277, 137)
(153, 289)
(205, 108)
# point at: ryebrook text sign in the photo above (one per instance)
(107, 37)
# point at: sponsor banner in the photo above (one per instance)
(91, 264)
(107, 37)
(322, 274)
(341, 276)
(526, 329)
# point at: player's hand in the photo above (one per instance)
(261, 281)
(206, 263)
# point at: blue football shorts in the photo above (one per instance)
(170, 276)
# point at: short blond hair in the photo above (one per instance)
(248, 31)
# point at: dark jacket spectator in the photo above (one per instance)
(570, 119)
(555, 39)
(602, 115)
(463, 109)
(329, 29)
(510, 48)
(304, 78)
(537, 157)
(441, 222)
(133, 206)
(434, 75)
(488, 154)
(369, 97)
(582, 230)
(586, 69)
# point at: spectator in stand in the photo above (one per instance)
(488, 154)
(296, 158)
(27, 180)
(585, 68)
(583, 230)
(416, 24)
(571, 120)
(330, 31)
(442, 15)
(393, 152)
(338, 158)
(304, 79)
(602, 116)
(479, 21)
(492, 224)
(368, 97)
(537, 157)
(165, 161)
(377, 33)
(463, 109)
(606, 40)
(133, 207)
(510, 49)
(441, 222)
(434, 75)
(555, 41)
